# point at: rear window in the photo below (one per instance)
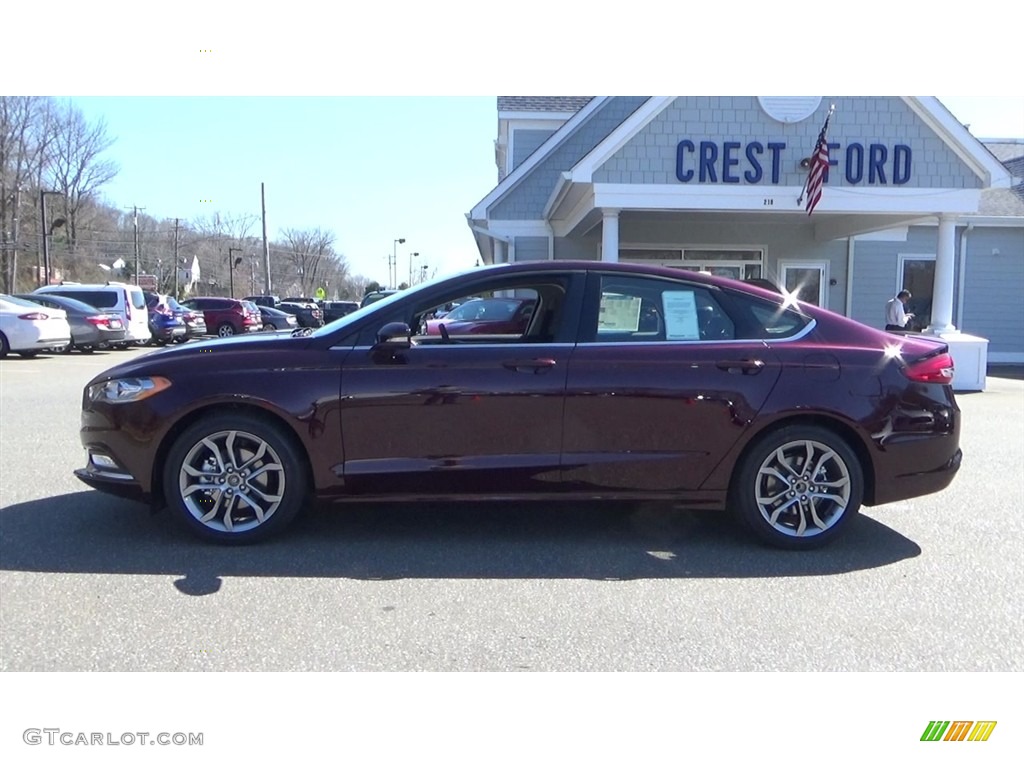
(757, 318)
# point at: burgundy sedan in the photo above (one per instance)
(628, 382)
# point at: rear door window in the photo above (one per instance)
(97, 298)
(636, 310)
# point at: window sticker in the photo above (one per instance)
(680, 316)
(619, 313)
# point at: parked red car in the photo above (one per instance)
(225, 317)
(628, 382)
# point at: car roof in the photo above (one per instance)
(67, 302)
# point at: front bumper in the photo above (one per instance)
(118, 484)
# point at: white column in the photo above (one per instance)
(942, 287)
(610, 234)
(499, 251)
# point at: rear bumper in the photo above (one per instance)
(908, 485)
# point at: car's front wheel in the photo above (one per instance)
(235, 478)
(797, 487)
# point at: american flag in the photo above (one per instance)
(819, 167)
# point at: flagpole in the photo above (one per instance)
(821, 134)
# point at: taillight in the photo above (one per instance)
(932, 370)
(98, 320)
(127, 306)
(34, 316)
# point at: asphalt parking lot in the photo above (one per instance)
(93, 583)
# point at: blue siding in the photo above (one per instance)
(994, 302)
(650, 157)
(526, 200)
(525, 142)
(531, 249)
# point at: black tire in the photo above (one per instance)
(269, 327)
(30, 353)
(810, 510)
(87, 349)
(5, 346)
(281, 471)
(225, 329)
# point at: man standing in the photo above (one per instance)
(896, 316)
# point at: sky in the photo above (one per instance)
(371, 170)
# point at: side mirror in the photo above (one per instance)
(394, 337)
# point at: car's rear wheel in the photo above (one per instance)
(225, 329)
(797, 487)
(5, 347)
(235, 479)
(269, 327)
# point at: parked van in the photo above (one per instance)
(122, 299)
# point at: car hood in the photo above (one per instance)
(197, 354)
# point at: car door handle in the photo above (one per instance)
(539, 365)
(746, 367)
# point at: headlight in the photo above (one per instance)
(127, 390)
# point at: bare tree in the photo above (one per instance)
(309, 252)
(25, 132)
(75, 168)
(215, 239)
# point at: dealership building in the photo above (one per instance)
(911, 199)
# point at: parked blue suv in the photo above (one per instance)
(165, 324)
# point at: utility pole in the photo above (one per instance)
(266, 246)
(231, 269)
(393, 275)
(46, 235)
(14, 249)
(411, 256)
(135, 224)
(176, 265)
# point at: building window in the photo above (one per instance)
(806, 280)
(737, 263)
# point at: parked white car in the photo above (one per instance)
(121, 299)
(28, 328)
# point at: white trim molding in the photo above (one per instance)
(937, 116)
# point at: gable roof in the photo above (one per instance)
(542, 103)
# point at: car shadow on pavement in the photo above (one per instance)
(90, 532)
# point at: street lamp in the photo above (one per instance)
(231, 269)
(47, 234)
(411, 256)
(393, 267)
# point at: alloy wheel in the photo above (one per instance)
(803, 488)
(232, 481)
